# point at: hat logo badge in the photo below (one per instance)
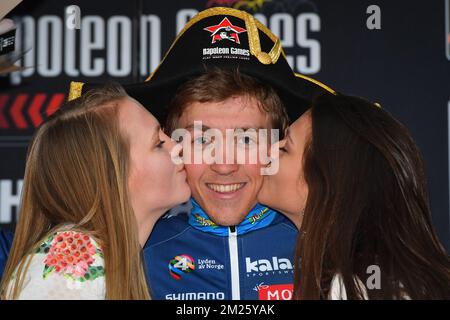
(225, 30)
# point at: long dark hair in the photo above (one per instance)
(367, 205)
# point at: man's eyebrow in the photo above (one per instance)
(190, 127)
(250, 128)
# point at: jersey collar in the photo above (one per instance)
(259, 217)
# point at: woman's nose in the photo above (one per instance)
(276, 146)
(171, 144)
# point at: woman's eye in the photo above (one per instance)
(160, 144)
(283, 149)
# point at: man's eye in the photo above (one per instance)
(202, 140)
(246, 140)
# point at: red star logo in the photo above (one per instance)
(225, 30)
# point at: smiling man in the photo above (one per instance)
(223, 247)
(226, 190)
(227, 101)
(223, 244)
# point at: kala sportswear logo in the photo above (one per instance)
(225, 30)
(180, 265)
(265, 267)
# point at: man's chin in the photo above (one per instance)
(226, 214)
(227, 223)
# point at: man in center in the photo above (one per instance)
(227, 100)
(224, 247)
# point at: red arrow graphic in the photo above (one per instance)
(3, 100)
(55, 103)
(35, 109)
(16, 111)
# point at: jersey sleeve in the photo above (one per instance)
(5, 244)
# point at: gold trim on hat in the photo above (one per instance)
(320, 84)
(255, 44)
(75, 90)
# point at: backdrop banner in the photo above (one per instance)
(396, 53)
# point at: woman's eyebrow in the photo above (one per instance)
(288, 134)
(155, 135)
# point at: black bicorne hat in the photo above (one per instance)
(222, 38)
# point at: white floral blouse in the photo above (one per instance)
(68, 265)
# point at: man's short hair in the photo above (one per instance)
(217, 85)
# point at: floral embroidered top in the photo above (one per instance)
(67, 265)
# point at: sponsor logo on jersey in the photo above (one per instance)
(266, 267)
(180, 265)
(196, 296)
(274, 291)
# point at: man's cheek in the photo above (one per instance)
(194, 173)
(252, 171)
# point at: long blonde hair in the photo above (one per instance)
(76, 173)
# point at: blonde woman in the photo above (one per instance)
(98, 176)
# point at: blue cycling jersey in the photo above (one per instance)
(189, 257)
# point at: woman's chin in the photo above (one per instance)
(185, 194)
(181, 196)
(266, 197)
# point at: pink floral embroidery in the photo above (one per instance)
(71, 253)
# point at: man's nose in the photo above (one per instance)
(228, 164)
(224, 169)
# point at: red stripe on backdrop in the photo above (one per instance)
(16, 111)
(35, 109)
(3, 100)
(55, 103)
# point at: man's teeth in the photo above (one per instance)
(225, 187)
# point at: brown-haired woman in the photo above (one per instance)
(353, 181)
(98, 176)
